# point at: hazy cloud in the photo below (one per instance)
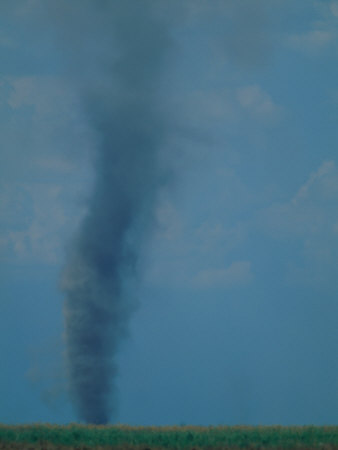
(45, 222)
(237, 274)
(322, 175)
(334, 8)
(241, 29)
(257, 102)
(39, 165)
(310, 218)
(320, 34)
(311, 41)
(310, 210)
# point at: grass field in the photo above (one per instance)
(52, 437)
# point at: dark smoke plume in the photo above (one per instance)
(118, 50)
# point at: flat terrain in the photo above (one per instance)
(82, 437)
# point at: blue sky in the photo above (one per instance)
(237, 286)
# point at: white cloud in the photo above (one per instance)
(206, 109)
(309, 219)
(200, 229)
(321, 34)
(311, 41)
(169, 222)
(38, 219)
(326, 168)
(48, 95)
(42, 124)
(257, 102)
(334, 8)
(214, 238)
(45, 167)
(58, 164)
(22, 92)
(180, 248)
(237, 274)
(311, 210)
(211, 114)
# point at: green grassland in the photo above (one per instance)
(81, 437)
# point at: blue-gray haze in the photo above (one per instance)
(174, 162)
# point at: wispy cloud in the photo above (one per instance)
(311, 209)
(325, 169)
(309, 220)
(334, 8)
(311, 41)
(180, 249)
(319, 35)
(257, 102)
(237, 274)
(36, 222)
